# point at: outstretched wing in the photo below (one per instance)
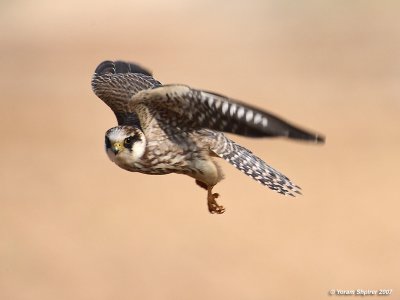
(116, 82)
(191, 108)
(253, 166)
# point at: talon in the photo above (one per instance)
(216, 209)
(213, 206)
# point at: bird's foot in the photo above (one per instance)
(213, 206)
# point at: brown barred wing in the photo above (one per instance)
(116, 82)
(200, 109)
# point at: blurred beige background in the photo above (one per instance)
(75, 226)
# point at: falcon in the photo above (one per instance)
(174, 128)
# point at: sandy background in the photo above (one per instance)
(75, 226)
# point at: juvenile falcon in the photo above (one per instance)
(166, 129)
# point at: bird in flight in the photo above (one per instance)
(174, 128)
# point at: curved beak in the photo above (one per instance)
(116, 147)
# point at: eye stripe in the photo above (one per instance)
(130, 140)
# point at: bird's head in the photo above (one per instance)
(125, 145)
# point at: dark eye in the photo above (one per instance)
(128, 142)
(107, 142)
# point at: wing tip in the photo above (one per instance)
(306, 136)
(119, 66)
(106, 67)
(319, 139)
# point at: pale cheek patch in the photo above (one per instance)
(138, 149)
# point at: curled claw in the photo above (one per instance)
(213, 206)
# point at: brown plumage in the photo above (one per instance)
(176, 129)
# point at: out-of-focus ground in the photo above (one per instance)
(75, 226)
